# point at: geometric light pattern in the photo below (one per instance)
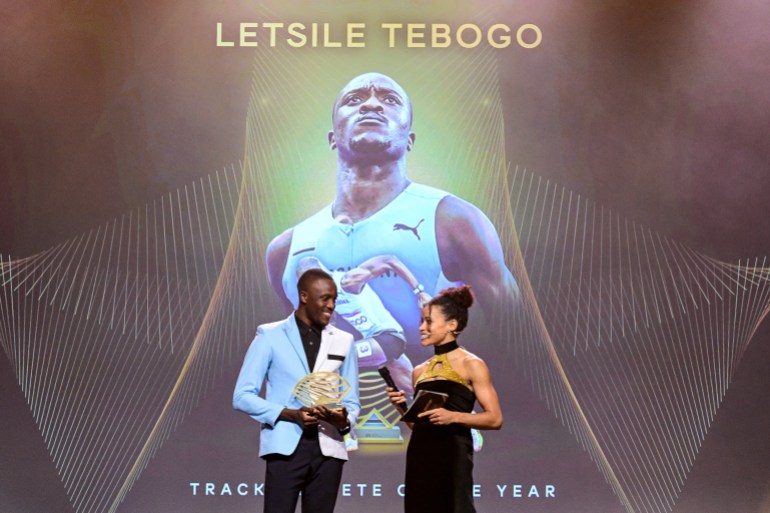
(648, 331)
(100, 328)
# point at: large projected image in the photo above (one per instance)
(572, 175)
(416, 239)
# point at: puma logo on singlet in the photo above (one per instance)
(400, 226)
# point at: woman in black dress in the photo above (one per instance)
(439, 459)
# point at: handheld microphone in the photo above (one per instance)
(385, 373)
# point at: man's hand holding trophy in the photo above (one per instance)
(321, 394)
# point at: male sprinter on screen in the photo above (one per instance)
(377, 210)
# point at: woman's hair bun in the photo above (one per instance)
(461, 296)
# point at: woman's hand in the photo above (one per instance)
(397, 397)
(439, 416)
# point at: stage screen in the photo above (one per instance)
(597, 173)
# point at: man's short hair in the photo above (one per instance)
(311, 276)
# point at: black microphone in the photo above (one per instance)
(385, 373)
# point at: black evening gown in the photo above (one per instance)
(439, 459)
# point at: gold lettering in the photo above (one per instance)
(272, 26)
(440, 37)
(504, 41)
(352, 35)
(533, 28)
(245, 32)
(461, 41)
(297, 30)
(219, 37)
(329, 35)
(391, 28)
(412, 34)
(327, 42)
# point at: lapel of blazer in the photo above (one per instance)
(326, 341)
(292, 334)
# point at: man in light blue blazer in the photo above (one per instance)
(304, 447)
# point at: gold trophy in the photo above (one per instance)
(322, 389)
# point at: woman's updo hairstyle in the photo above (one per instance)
(454, 304)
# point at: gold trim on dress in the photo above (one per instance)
(444, 371)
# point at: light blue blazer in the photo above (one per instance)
(276, 356)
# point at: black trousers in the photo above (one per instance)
(306, 470)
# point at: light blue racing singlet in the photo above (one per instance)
(404, 228)
(364, 311)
